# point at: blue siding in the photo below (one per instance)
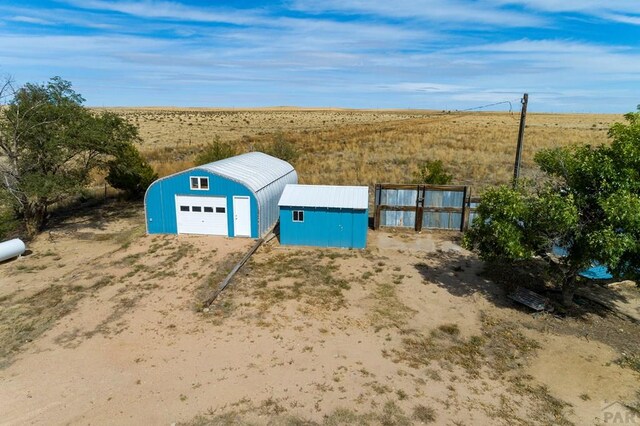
(160, 206)
(324, 227)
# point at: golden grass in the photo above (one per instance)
(365, 147)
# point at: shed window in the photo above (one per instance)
(199, 182)
(184, 208)
(298, 216)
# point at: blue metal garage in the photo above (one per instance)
(235, 197)
(324, 216)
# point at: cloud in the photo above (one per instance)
(447, 11)
(172, 11)
(424, 87)
(626, 11)
(58, 17)
(625, 19)
(30, 20)
(586, 60)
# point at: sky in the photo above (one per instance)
(569, 55)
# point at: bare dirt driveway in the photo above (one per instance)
(101, 325)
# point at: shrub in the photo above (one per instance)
(130, 172)
(432, 172)
(282, 148)
(215, 151)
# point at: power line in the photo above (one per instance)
(489, 105)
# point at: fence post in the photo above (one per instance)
(419, 208)
(464, 219)
(377, 200)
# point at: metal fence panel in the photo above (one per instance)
(443, 198)
(396, 219)
(398, 197)
(472, 212)
(442, 220)
(403, 205)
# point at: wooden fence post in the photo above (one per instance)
(377, 199)
(419, 208)
(465, 210)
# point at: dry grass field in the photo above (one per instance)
(365, 147)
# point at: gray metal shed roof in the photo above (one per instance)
(255, 170)
(341, 197)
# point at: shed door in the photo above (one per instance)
(201, 215)
(242, 216)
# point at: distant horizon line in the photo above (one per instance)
(329, 108)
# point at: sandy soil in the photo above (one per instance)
(301, 332)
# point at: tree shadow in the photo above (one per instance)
(535, 276)
(92, 212)
(464, 276)
(458, 274)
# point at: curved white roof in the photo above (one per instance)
(255, 170)
(341, 197)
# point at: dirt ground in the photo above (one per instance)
(102, 324)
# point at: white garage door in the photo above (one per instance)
(201, 215)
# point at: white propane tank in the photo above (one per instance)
(11, 248)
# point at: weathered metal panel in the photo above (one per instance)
(398, 219)
(472, 213)
(398, 197)
(443, 220)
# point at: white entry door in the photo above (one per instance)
(242, 216)
(201, 215)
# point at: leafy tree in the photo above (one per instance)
(130, 172)
(215, 151)
(432, 172)
(51, 143)
(590, 205)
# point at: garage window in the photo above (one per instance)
(196, 208)
(199, 182)
(208, 209)
(220, 210)
(184, 208)
(298, 216)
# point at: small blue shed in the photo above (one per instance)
(234, 197)
(324, 216)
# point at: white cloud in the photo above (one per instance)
(626, 11)
(172, 11)
(30, 20)
(424, 87)
(447, 11)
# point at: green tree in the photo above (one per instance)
(432, 172)
(215, 151)
(130, 172)
(590, 205)
(51, 143)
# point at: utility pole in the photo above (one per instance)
(523, 118)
